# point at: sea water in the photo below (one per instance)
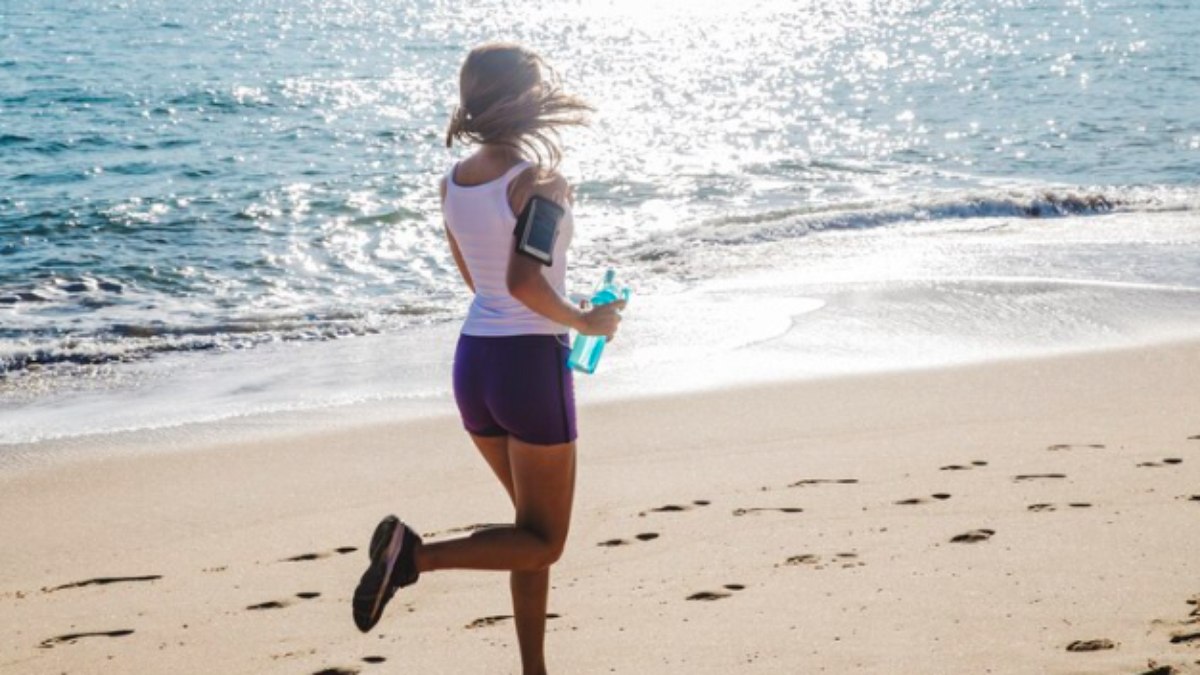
(215, 209)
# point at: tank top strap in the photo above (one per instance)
(511, 175)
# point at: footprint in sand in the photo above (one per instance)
(973, 536)
(305, 557)
(760, 509)
(807, 482)
(845, 560)
(963, 467)
(1052, 507)
(103, 581)
(1038, 476)
(1185, 631)
(486, 621)
(1168, 460)
(939, 496)
(70, 638)
(1090, 645)
(1072, 446)
(644, 536)
(676, 508)
(1180, 638)
(461, 530)
(716, 595)
(280, 604)
(351, 670)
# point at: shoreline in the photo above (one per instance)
(808, 513)
(274, 426)
(906, 298)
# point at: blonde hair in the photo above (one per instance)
(505, 100)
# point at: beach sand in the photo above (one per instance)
(977, 519)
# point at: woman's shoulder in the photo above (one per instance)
(549, 184)
(537, 181)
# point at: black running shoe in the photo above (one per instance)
(385, 574)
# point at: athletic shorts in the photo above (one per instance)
(516, 385)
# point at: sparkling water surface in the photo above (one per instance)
(186, 180)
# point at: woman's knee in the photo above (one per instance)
(549, 550)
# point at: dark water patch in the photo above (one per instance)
(53, 178)
(50, 147)
(173, 143)
(169, 144)
(133, 169)
(85, 98)
(13, 139)
(198, 173)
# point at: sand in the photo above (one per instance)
(977, 519)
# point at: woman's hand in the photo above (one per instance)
(601, 320)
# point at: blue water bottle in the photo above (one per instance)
(585, 353)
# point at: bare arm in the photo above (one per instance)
(454, 250)
(527, 284)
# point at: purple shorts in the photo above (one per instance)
(516, 385)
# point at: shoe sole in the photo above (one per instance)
(374, 587)
(381, 536)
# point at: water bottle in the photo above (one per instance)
(585, 353)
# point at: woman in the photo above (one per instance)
(511, 384)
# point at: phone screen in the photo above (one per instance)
(541, 234)
(538, 229)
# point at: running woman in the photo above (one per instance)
(511, 384)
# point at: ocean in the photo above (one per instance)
(214, 210)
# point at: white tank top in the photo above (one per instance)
(482, 223)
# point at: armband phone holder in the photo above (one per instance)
(537, 229)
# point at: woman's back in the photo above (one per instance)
(481, 220)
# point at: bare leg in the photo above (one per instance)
(530, 589)
(530, 598)
(540, 479)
